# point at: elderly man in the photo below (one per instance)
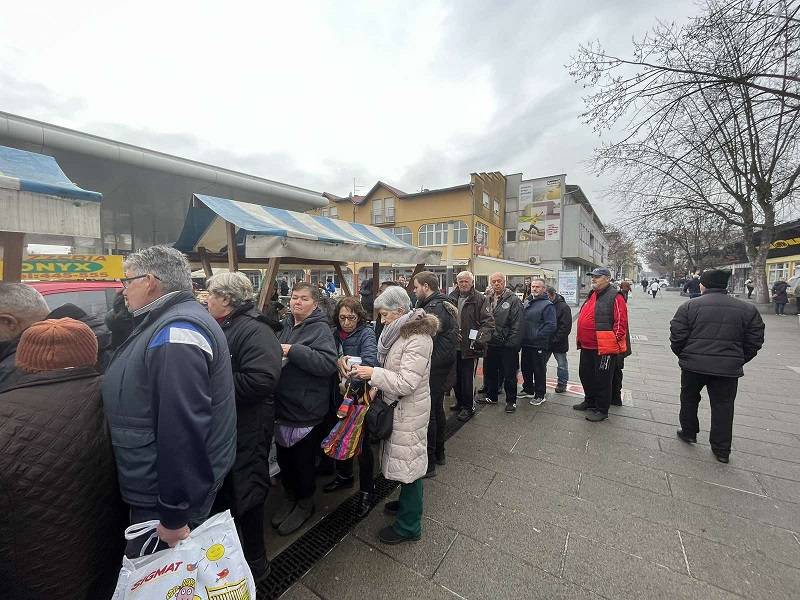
(20, 307)
(476, 325)
(559, 342)
(713, 336)
(501, 362)
(602, 337)
(169, 398)
(538, 326)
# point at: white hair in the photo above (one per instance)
(22, 301)
(395, 298)
(167, 264)
(501, 275)
(236, 287)
(466, 274)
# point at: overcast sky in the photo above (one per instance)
(315, 94)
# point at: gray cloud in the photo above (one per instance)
(36, 100)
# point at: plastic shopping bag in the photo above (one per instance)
(208, 565)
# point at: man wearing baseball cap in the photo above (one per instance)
(602, 337)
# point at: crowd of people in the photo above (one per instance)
(168, 411)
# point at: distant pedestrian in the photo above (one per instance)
(538, 325)
(692, 286)
(645, 285)
(625, 288)
(602, 337)
(713, 337)
(780, 296)
(330, 287)
(559, 342)
(655, 286)
(750, 287)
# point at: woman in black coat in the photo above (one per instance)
(256, 362)
(780, 296)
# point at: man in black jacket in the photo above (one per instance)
(713, 336)
(559, 343)
(501, 362)
(443, 360)
(539, 324)
(692, 286)
(476, 326)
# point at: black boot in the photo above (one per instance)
(364, 504)
(284, 510)
(338, 483)
(259, 568)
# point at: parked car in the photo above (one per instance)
(93, 297)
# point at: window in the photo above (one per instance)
(497, 208)
(433, 234)
(388, 207)
(334, 212)
(511, 235)
(481, 234)
(460, 233)
(323, 212)
(485, 200)
(777, 272)
(377, 211)
(404, 233)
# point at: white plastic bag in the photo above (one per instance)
(208, 565)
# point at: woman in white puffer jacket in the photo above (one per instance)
(404, 356)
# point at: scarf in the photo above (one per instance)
(391, 332)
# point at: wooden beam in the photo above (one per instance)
(376, 276)
(205, 262)
(233, 256)
(13, 243)
(268, 284)
(338, 269)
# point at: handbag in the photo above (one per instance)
(380, 418)
(344, 440)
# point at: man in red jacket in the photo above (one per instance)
(602, 337)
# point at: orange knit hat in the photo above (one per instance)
(56, 344)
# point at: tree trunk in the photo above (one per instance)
(757, 254)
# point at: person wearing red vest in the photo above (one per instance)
(602, 338)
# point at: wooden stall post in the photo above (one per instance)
(233, 256)
(204, 261)
(268, 285)
(13, 243)
(338, 270)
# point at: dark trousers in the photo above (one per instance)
(366, 466)
(297, 466)
(616, 384)
(465, 381)
(534, 371)
(138, 514)
(500, 367)
(749, 292)
(438, 420)
(597, 383)
(780, 307)
(721, 394)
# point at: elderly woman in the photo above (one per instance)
(301, 402)
(404, 359)
(256, 362)
(354, 338)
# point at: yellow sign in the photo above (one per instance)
(70, 267)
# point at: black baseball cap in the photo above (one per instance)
(599, 271)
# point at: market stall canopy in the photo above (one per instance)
(266, 232)
(486, 265)
(37, 197)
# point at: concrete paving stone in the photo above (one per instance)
(623, 436)
(767, 424)
(749, 505)
(299, 592)
(784, 416)
(655, 542)
(354, 569)
(465, 476)
(709, 523)
(768, 466)
(422, 557)
(744, 572)
(495, 417)
(476, 571)
(781, 489)
(502, 438)
(630, 410)
(542, 434)
(617, 575)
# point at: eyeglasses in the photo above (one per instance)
(125, 281)
(348, 317)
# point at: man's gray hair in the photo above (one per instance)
(22, 301)
(393, 299)
(170, 266)
(498, 274)
(466, 274)
(542, 279)
(236, 287)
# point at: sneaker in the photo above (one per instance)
(595, 416)
(486, 401)
(511, 407)
(580, 406)
(561, 388)
(465, 415)
(524, 394)
(537, 401)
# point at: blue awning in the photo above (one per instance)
(266, 232)
(38, 173)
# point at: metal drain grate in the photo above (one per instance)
(291, 564)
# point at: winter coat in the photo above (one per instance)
(361, 343)
(559, 342)
(475, 314)
(256, 364)
(779, 295)
(716, 334)
(119, 321)
(692, 286)
(507, 315)
(62, 518)
(445, 344)
(367, 297)
(404, 378)
(304, 393)
(539, 322)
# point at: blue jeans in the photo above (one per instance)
(562, 370)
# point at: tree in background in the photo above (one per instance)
(709, 114)
(622, 252)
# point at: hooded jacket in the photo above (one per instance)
(404, 378)
(507, 315)
(559, 342)
(304, 393)
(445, 343)
(539, 322)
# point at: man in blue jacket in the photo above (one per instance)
(168, 395)
(539, 324)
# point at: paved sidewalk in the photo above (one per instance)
(543, 504)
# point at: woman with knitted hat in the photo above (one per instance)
(61, 497)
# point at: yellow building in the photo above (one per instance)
(464, 222)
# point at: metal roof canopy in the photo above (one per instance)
(486, 265)
(36, 197)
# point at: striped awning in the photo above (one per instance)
(25, 171)
(266, 232)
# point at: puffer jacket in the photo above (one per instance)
(779, 294)
(539, 322)
(716, 334)
(404, 378)
(445, 344)
(560, 340)
(62, 518)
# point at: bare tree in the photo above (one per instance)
(702, 131)
(698, 239)
(622, 252)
